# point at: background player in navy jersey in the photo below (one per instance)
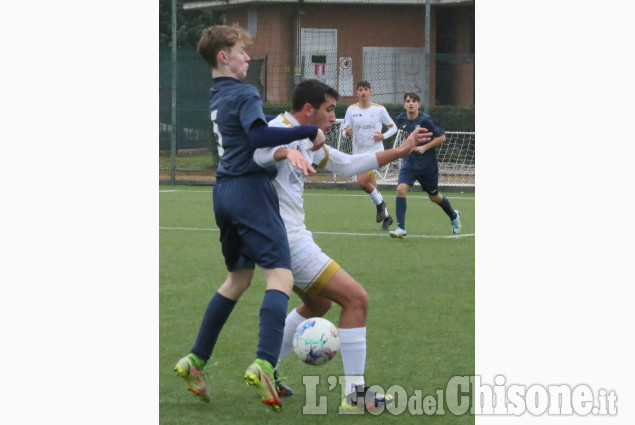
(421, 165)
(246, 211)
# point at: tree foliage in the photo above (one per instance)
(189, 23)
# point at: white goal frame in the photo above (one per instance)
(456, 157)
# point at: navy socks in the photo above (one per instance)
(272, 316)
(401, 212)
(447, 208)
(218, 310)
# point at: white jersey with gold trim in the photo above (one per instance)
(310, 266)
(308, 262)
(290, 181)
(365, 122)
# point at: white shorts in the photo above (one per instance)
(312, 269)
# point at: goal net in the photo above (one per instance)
(455, 157)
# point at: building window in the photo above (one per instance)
(252, 22)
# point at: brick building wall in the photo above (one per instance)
(357, 26)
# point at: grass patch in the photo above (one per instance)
(188, 161)
(420, 319)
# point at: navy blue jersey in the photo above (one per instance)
(234, 107)
(245, 199)
(427, 160)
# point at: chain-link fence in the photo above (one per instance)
(380, 43)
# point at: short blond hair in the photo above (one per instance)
(218, 37)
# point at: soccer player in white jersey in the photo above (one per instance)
(317, 279)
(364, 121)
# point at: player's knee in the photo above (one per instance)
(358, 299)
(240, 279)
(280, 279)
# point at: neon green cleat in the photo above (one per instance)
(456, 223)
(260, 374)
(194, 376)
(399, 233)
(365, 398)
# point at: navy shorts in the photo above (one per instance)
(428, 179)
(251, 229)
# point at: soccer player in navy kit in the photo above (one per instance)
(421, 165)
(246, 211)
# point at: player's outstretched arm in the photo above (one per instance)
(349, 165)
(419, 136)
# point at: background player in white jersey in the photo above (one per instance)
(318, 279)
(364, 122)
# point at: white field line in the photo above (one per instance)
(319, 194)
(199, 229)
(463, 235)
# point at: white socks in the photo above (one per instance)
(291, 323)
(353, 349)
(376, 197)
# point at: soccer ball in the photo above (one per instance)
(316, 341)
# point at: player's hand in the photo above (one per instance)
(409, 144)
(318, 142)
(348, 131)
(378, 137)
(423, 135)
(299, 161)
(417, 137)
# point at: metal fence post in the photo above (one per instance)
(174, 67)
(426, 68)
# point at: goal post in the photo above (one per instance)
(456, 157)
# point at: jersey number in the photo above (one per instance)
(219, 137)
